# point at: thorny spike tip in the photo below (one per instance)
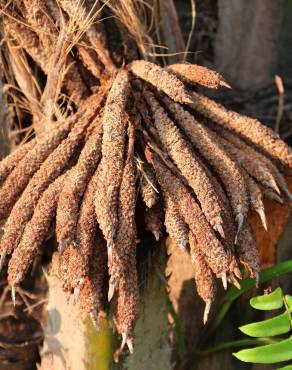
(13, 295)
(261, 213)
(207, 310)
(224, 280)
(2, 260)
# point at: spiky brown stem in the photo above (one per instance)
(11, 161)
(248, 252)
(69, 200)
(53, 166)
(213, 250)
(113, 148)
(187, 162)
(34, 233)
(209, 147)
(204, 278)
(161, 79)
(249, 128)
(175, 225)
(124, 248)
(197, 75)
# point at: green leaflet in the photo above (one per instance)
(288, 299)
(268, 328)
(289, 367)
(268, 354)
(268, 302)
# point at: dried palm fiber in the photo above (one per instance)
(197, 75)
(74, 186)
(37, 15)
(112, 162)
(88, 20)
(25, 37)
(35, 232)
(45, 145)
(11, 161)
(204, 278)
(213, 250)
(175, 225)
(93, 293)
(208, 146)
(249, 128)
(187, 162)
(126, 238)
(160, 79)
(87, 55)
(247, 251)
(148, 185)
(50, 169)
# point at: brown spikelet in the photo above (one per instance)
(249, 128)
(187, 162)
(211, 247)
(21, 174)
(87, 231)
(8, 163)
(207, 144)
(34, 233)
(125, 302)
(175, 225)
(125, 242)
(53, 166)
(247, 158)
(148, 185)
(161, 79)
(198, 75)
(93, 293)
(112, 162)
(247, 251)
(75, 184)
(204, 278)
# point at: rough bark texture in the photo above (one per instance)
(247, 29)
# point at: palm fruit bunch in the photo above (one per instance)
(109, 128)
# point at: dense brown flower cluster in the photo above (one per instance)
(139, 130)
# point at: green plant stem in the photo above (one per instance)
(234, 344)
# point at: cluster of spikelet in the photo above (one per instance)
(142, 131)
